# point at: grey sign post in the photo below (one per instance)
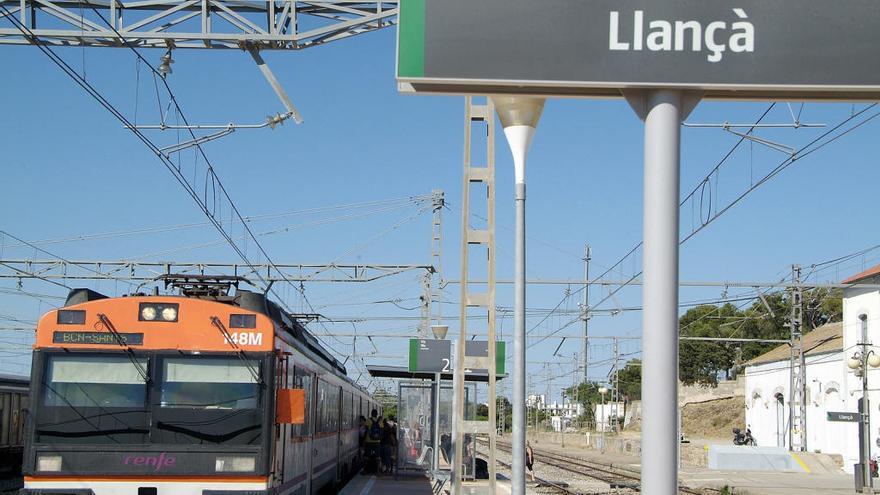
(663, 111)
(663, 56)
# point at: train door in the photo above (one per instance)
(281, 473)
(340, 410)
(6, 419)
(317, 397)
(305, 456)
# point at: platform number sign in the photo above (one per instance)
(435, 356)
(430, 355)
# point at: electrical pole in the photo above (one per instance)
(479, 117)
(616, 394)
(586, 312)
(435, 308)
(797, 406)
(426, 306)
(438, 201)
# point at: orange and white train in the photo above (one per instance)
(186, 395)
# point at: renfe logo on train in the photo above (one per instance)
(158, 462)
(666, 36)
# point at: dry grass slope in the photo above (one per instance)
(714, 419)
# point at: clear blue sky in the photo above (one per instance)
(69, 168)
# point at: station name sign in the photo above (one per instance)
(723, 48)
(847, 417)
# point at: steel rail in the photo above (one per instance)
(625, 476)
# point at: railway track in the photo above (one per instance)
(546, 486)
(618, 478)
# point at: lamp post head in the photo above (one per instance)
(519, 116)
(439, 331)
(518, 110)
(855, 362)
(603, 390)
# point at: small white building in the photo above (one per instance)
(831, 385)
(563, 415)
(606, 413)
(536, 401)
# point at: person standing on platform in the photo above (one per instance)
(530, 460)
(389, 445)
(372, 442)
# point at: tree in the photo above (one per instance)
(502, 406)
(629, 380)
(700, 361)
(587, 393)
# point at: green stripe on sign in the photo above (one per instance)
(413, 355)
(411, 35)
(500, 351)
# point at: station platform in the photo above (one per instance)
(413, 485)
(367, 484)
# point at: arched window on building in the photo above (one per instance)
(780, 419)
(831, 397)
(756, 398)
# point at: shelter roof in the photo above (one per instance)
(827, 338)
(403, 372)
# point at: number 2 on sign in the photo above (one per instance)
(445, 365)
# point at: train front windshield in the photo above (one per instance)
(93, 399)
(208, 400)
(150, 399)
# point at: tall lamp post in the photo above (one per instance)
(519, 116)
(564, 416)
(603, 391)
(859, 362)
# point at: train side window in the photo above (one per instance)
(303, 379)
(331, 407)
(346, 410)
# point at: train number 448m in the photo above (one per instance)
(246, 338)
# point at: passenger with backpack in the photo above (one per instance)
(372, 442)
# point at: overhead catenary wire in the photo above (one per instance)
(210, 213)
(382, 204)
(811, 147)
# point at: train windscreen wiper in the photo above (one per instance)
(210, 437)
(92, 433)
(238, 350)
(121, 341)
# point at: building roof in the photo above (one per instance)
(869, 273)
(827, 338)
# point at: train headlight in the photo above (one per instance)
(235, 464)
(169, 313)
(48, 463)
(148, 313)
(158, 311)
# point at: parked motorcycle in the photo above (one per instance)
(740, 438)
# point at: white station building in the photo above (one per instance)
(831, 385)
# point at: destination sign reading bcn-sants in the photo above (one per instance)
(100, 338)
(724, 48)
